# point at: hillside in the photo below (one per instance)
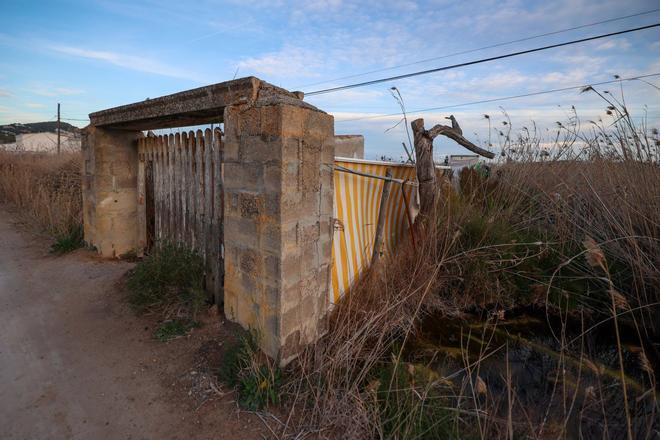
(8, 132)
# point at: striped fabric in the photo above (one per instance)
(356, 206)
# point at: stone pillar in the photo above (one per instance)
(278, 182)
(110, 190)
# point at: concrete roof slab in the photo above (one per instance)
(191, 107)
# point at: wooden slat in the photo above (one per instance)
(218, 210)
(171, 236)
(159, 207)
(199, 189)
(189, 189)
(208, 196)
(172, 173)
(141, 205)
(154, 161)
(162, 188)
(184, 189)
(177, 187)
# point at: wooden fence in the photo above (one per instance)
(180, 196)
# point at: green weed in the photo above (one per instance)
(174, 328)
(410, 404)
(172, 275)
(69, 241)
(256, 378)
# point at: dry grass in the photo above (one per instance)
(45, 188)
(524, 236)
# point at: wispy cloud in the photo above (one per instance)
(621, 44)
(50, 91)
(4, 93)
(129, 61)
(35, 105)
(9, 115)
(288, 62)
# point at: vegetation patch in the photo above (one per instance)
(174, 328)
(169, 280)
(44, 188)
(412, 404)
(68, 242)
(256, 378)
(525, 307)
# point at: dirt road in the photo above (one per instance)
(76, 363)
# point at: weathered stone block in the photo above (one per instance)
(239, 233)
(243, 176)
(250, 122)
(327, 201)
(274, 177)
(292, 150)
(250, 261)
(272, 267)
(256, 149)
(318, 125)
(310, 232)
(270, 237)
(250, 204)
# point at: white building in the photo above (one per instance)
(45, 142)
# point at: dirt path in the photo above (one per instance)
(76, 363)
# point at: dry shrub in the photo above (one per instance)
(332, 384)
(509, 239)
(613, 202)
(45, 188)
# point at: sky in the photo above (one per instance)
(94, 54)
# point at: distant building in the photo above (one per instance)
(458, 161)
(44, 142)
(349, 145)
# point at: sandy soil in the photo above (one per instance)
(76, 363)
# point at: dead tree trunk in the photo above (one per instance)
(378, 240)
(425, 166)
(423, 140)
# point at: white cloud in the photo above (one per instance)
(35, 105)
(621, 44)
(131, 62)
(4, 93)
(43, 90)
(289, 62)
(8, 116)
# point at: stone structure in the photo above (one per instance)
(278, 199)
(349, 145)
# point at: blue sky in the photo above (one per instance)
(93, 54)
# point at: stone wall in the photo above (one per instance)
(278, 184)
(349, 145)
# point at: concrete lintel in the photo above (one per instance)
(192, 107)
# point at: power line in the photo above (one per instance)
(73, 119)
(492, 46)
(505, 98)
(482, 60)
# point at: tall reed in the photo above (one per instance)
(45, 188)
(509, 238)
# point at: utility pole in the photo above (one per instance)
(58, 128)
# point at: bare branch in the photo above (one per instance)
(456, 134)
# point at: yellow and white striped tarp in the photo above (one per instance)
(356, 206)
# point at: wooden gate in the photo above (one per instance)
(180, 196)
